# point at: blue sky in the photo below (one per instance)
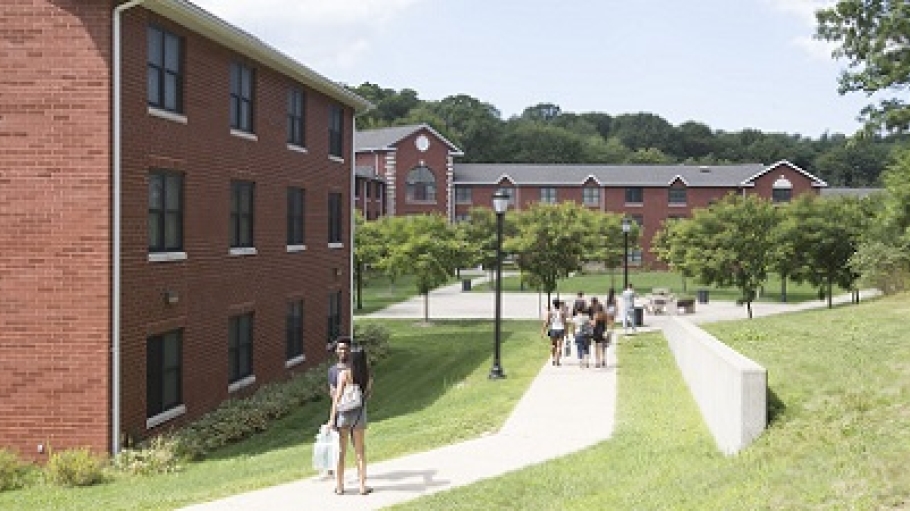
(731, 64)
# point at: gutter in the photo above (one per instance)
(116, 228)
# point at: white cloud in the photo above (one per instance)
(324, 33)
(803, 9)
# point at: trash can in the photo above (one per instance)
(466, 285)
(702, 295)
(639, 316)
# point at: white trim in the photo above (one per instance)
(164, 257)
(816, 182)
(336, 159)
(294, 361)
(242, 251)
(165, 416)
(242, 383)
(336, 245)
(244, 135)
(167, 115)
(297, 148)
(678, 176)
(295, 248)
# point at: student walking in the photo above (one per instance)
(628, 309)
(600, 336)
(555, 328)
(352, 370)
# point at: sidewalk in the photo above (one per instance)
(525, 439)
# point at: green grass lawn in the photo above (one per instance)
(432, 391)
(599, 283)
(839, 436)
(379, 292)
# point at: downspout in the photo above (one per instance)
(353, 210)
(115, 256)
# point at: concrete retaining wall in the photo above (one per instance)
(730, 389)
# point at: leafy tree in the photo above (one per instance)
(670, 244)
(369, 247)
(541, 112)
(531, 142)
(873, 38)
(552, 240)
(643, 131)
(729, 244)
(824, 234)
(429, 252)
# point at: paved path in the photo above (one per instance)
(526, 437)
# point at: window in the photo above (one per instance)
(334, 319)
(296, 116)
(782, 190)
(635, 195)
(462, 217)
(510, 192)
(336, 131)
(548, 195)
(240, 347)
(463, 195)
(780, 195)
(242, 85)
(296, 205)
(165, 221)
(677, 196)
(590, 196)
(335, 218)
(294, 334)
(163, 372)
(164, 75)
(241, 214)
(420, 185)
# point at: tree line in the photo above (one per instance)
(544, 133)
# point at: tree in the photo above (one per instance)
(429, 252)
(551, 242)
(369, 246)
(825, 234)
(669, 245)
(729, 244)
(873, 38)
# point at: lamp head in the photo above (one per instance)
(500, 201)
(626, 224)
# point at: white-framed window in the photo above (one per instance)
(548, 195)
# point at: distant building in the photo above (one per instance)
(189, 253)
(412, 169)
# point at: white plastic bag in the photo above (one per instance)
(325, 450)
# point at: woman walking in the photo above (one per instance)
(600, 336)
(352, 370)
(555, 328)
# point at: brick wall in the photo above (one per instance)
(54, 224)
(211, 284)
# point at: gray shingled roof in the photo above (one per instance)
(614, 175)
(386, 138)
(851, 192)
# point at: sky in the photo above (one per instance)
(730, 64)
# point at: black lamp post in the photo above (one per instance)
(500, 204)
(626, 227)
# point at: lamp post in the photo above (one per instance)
(500, 204)
(626, 227)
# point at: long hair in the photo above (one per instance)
(360, 368)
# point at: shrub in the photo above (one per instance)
(76, 467)
(12, 471)
(238, 419)
(375, 340)
(159, 455)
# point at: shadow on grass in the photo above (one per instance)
(420, 369)
(776, 407)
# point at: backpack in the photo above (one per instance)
(586, 329)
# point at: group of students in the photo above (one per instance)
(587, 324)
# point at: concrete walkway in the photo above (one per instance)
(525, 439)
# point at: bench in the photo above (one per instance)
(685, 306)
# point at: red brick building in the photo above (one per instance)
(414, 166)
(175, 202)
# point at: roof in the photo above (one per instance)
(706, 176)
(850, 192)
(617, 175)
(385, 139)
(207, 24)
